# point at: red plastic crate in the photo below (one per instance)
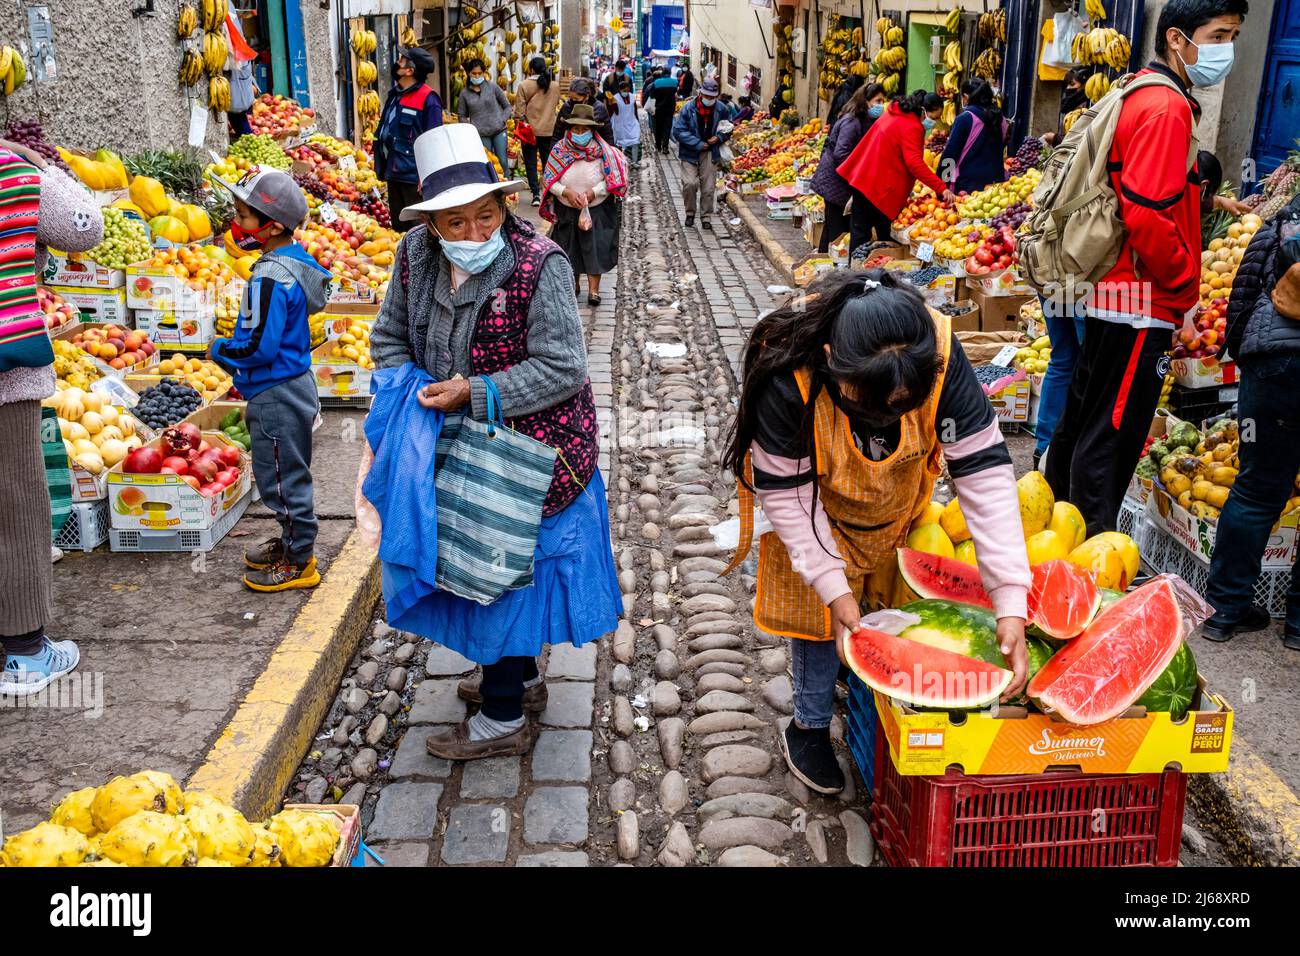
(1050, 819)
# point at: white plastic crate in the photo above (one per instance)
(87, 527)
(1166, 555)
(187, 539)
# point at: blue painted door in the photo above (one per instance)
(297, 49)
(1278, 124)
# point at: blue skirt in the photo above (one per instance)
(574, 598)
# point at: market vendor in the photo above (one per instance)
(975, 154)
(412, 108)
(851, 394)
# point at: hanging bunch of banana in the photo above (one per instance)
(993, 26)
(949, 114)
(364, 43)
(1102, 46)
(884, 25)
(368, 109)
(840, 55)
(1097, 86)
(950, 83)
(215, 52)
(214, 15)
(187, 21)
(954, 20)
(219, 94)
(1096, 12)
(1069, 119)
(191, 70)
(367, 73)
(891, 58)
(408, 38)
(988, 64)
(13, 70)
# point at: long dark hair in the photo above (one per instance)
(858, 102)
(979, 92)
(919, 102)
(882, 342)
(538, 65)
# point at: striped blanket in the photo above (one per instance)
(23, 341)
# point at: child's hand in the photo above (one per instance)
(444, 396)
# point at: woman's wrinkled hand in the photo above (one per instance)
(1011, 641)
(444, 396)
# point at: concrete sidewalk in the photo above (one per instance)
(170, 646)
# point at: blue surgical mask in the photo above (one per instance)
(474, 257)
(708, 100)
(927, 123)
(1213, 63)
(478, 80)
(875, 112)
(581, 139)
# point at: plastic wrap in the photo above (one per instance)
(368, 524)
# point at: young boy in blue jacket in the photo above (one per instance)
(269, 356)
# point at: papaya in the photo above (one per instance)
(150, 196)
(117, 174)
(196, 221)
(169, 228)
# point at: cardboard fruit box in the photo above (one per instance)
(177, 329)
(96, 305)
(1014, 740)
(72, 330)
(159, 289)
(71, 270)
(166, 502)
(1197, 534)
(1203, 373)
(338, 377)
(1012, 403)
(347, 292)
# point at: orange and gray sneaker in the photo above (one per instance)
(284, 575)
(261, 556)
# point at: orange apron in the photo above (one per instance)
(870, 506)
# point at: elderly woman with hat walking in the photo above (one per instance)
(584, 182)
(482, 303)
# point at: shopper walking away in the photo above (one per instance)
(977, 145)
(412, 108)
(838, 424)
(585, 182)
(443, 315)
(626, 123)
(662, 91)
(1263, 332)
(536, 103)
(1155, 281)
(269, 355)
(484, 104)
(861, 110)
(699, 142)
(40, 207)
(887, 163)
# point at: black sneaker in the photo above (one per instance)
(1291, 640)
(690, 219)
(706, 225)
(811, 758)
(1256, 619)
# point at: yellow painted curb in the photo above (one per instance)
(780, 259)
(256, 754)
(1251, 809)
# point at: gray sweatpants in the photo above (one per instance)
(280, 421)
(701, 179)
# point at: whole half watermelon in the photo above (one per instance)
(922, 675)
(1174, 689)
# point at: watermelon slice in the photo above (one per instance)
(1063, 599)
(920, 675)
(934, 576)
(1174, 688)
(1103, 671)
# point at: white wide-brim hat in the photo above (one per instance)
(454, 170)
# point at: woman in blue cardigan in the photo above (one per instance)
(976, 146)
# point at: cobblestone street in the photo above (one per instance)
(658, 744)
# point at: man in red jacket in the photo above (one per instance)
(1154, 284)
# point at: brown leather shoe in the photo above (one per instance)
(470, 689)
(456, 745)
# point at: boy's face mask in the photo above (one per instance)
(250, 240)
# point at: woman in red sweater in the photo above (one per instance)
(886, 164)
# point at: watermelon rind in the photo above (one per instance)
(1174, 689)
(935, 577)
(921, 675)
(960, 628)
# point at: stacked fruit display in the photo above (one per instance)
(1031, 155)
(235, 427)
(1219, 262)
(996, 253)
(116, 346)
(260, 150)
(337, 148)
(126, 241)
(316, 322)
(1199, 470)
(335, 249)
(57, 312)
(146, 820)
(376, 208)
(918, 207)
(96, 434)
(1012, 216)
(1204, 339)
(958, 242)
(934, 224)
(274, 115)
(208, 269)
(992, 200)
(182, 451)
(72, 366)
(166, 403)
(1034, 358)
(207, 378)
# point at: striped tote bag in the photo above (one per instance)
(23, 339)
(491, 482)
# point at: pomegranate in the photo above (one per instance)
(177, 465)
(229, 456)
(142, 461)
(191, 432)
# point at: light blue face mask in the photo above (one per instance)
(581, 139)
(1213, 63)
(474, 257)
(927, 123)
(478, 80)
(876, 111)
(708, 100)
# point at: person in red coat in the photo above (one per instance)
(888, 162)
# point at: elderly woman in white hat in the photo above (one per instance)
(478, 294)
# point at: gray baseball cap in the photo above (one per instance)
(272, 193)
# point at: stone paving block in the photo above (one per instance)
(477, 834)
(568, 704)
(413, 760)
(556, 815)
(406, 811)
(489, 778)
(553, 858)
(399, 854)
(574, 663)
(562, 755)
(436, 702)
(443, 662)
